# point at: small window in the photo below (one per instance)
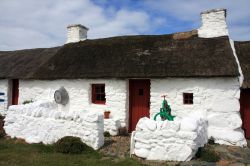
(188, 98)
(98, 94)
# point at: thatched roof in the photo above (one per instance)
(23, 63)
(156, 56)
(243, 53)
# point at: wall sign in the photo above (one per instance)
(1, 94)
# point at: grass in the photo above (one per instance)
(16, 153)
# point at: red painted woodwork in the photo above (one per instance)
(245, 111)
(98, 94)
(139, 101)
(15, 91)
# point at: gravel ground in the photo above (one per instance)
(118, 147)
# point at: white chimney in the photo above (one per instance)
(76, 33)
(213, 23)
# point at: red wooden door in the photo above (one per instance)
(139, 101)
(15, 91)
(245, 111)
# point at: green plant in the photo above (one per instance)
(211, 141)
(72, 145)
(207, 154)
(2, 132)
(106, 134)
(27, 101)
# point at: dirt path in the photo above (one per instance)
(117, 146)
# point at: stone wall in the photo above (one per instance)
(80, 95)
(3, 89)
(176, 140)
(218, 98)
(42, 122)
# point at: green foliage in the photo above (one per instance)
(14, 152)
(207, 154)
(106, 134)
(72, 145)
(28, 101)
(2, 132)
(211, 141)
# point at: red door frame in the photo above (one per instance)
(147, 103)
(15, 91)
(245, 111)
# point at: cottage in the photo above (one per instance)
(198, 70)
(243, 53)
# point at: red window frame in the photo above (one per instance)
(98, 94)
(188, 98)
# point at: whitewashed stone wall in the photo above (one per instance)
(80, 95)
(217, 97)
(112, 126)
(42, 122)
(213, 24)
(176, 140)
(4, 89)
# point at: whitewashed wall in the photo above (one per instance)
(217, 97)
(4, 89)
(176, 140)
(80, 95)
(42, 122)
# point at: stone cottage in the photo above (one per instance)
(198, 70)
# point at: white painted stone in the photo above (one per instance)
(80, 95)
(112, 126)
(169, 143)
(227, 136)
(224, 120)
(142, 152)
(218, 101)
(20, 123)
(213, 24)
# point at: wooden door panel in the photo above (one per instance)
(245, 111)
(139, 101)
(15, 91)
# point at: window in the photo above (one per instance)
(188, 98)
(98, 94)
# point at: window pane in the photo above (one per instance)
(102, 97)
(102, 89)
(98, 97)
(97, 89)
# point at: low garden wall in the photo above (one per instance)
(42, 122)
(176, 140)
(112, 126)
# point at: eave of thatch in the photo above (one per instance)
(243, 53)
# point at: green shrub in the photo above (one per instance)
(2, 132)
(106, 134)
(207, 154)
(211, 141)
(72, 145)
(28, 101)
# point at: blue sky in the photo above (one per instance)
(32, 24)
